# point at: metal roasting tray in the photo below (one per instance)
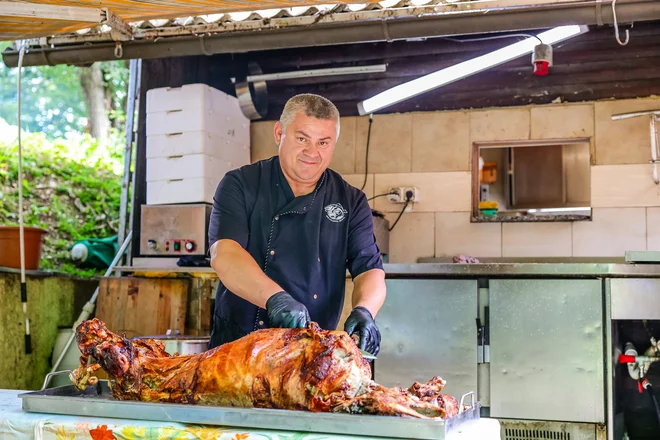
(97, 401)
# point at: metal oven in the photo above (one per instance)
(174, 230)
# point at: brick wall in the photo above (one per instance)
(432, 152)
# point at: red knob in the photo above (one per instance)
(626, 359)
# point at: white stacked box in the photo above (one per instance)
(195, 134)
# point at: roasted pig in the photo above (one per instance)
(297, 369)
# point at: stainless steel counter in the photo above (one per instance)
(450, 270)
(544, 270)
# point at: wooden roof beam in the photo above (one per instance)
(51, 12)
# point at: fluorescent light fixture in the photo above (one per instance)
(586, 208)
(466, 68)
(318, 72)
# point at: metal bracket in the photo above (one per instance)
(462, 403)
(121, 31)
(51, 374)
(599, 12)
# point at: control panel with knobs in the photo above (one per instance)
(174, 246)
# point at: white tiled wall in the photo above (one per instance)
(612, 232)
(432, 152)
(455, 235)
(444, 192)
(536, 239)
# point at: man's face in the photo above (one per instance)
(306, 148)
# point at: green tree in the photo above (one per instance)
(54, 99)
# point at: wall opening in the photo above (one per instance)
(548, 180)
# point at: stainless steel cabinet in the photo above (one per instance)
(428, 329)
(635, 298)
(546, 350)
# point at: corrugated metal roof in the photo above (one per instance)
(161, 18)
(35, 18)
(270, 18)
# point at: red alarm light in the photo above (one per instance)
(542, 59)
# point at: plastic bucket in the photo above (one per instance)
(10, 251)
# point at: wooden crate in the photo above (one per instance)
(143, 306)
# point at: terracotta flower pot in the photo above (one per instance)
(10, 251)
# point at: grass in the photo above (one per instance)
(71, 188)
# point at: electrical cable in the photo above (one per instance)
(495, 37)
(366, 156)
(21, 221)
(400, 214)
(379, 195)
(649, 389)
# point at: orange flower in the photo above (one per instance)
(102, 433)
(241, 437)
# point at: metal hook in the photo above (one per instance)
(616, 27)
(119, 50)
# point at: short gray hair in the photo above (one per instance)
(311, 105)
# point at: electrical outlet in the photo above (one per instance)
(395, 195)
(414, 191)
(399, 194)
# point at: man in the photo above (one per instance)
(284, 230)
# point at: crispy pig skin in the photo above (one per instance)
(297, 369)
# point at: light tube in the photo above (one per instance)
(318, 72)
(585, 208)
(466, 68)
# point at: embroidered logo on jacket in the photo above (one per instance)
(335, 212)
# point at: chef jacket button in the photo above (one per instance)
(272, 252)
(319, 259)
(277, 217)
(261, 323)
(315, 296)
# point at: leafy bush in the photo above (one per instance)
(71, 188)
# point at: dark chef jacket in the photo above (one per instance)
(303, 243)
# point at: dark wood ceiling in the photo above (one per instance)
(589, 67)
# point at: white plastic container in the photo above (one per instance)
(197, 142)
(192, 96)
(195, 134)
(196, 107)
(165, 192)
(188, 167)
(198, 119)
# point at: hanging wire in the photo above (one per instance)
(400, 214)
(366, 156)
(379, 195)
(21, 226)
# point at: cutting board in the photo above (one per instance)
(143, 306)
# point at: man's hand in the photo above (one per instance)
(284, 311)
(361, 322)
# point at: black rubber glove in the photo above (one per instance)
(286, 312)
(361, 322)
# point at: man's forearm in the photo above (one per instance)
(241, 274)
(369, 290)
